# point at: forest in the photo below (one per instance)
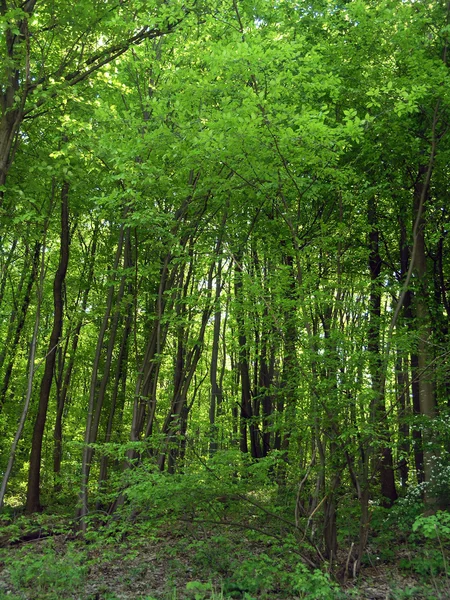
(224, 314)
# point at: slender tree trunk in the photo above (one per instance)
(63, 389)
(330, 512)
(185, 368)
(403, 387)
(12, 340)
(5, 270)
(91, 420)
(378, 409)
(245, 405)
(413, 366)
(33, 492)
(145, 390)
(266, 375)
(425, 374)
(288, 391)
(118, 390)
(216, 389)
(216, 392)
(107, 367)
(29, 390)
(441, 310)
(178, 402)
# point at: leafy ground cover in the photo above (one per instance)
(189, 556)
(209, 565)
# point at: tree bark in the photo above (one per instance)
(185, 368)
(17, 77)
(378, 408)
(426, 387)
(13, 341)
(29, 390)
(216, 392)
(245, 405)
(33, 492)
(63, 387)
(93, 409)
(413, 362)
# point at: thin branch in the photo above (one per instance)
(304, 558)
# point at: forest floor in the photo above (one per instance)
(184, 561)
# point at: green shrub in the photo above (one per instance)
(405, 511)
(47, 576)
(434, 527)
(429, 540)
(314, 585)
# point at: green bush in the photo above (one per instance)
(434, 527)
(429, 541)
(46, 576)
(314, 585)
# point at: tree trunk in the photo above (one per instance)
(376, 366)
(17, 76)
(33, 492)
(413, 359)
(93, 411)
(404, 411)
(29, 390)
(266, 375)
(5, 270)
(245, 405)
(63, 388)
(12, 341)
(288, 390)
(118, 391)
(426, 387)
(216, 392)
(185, 368)
(145, 390)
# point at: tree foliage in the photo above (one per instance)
(224, 260)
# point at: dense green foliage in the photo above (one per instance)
(224, 272)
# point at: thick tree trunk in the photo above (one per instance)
(33, 492)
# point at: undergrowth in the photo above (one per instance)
(221, 532)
